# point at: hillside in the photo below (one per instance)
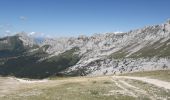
(142, 49)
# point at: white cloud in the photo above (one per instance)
(37, 34)
(7, 31)
(23, 18)
(117, 32)
(32, 33)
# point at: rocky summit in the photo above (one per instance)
(142, 49)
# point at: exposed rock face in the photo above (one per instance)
(111, 53)
(119, 66)
(27, 41)
(100, 52)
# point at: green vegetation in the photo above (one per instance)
(119, 54)
(29, 67)
(15, 61)
(13, 47)
(157, 49)
(107, 82)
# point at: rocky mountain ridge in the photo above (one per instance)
(148, 46)
(102, 54)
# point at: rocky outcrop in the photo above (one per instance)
(142, 49)
(101, 52)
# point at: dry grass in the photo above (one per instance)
(159, 74)
(75, 88)
(85, 88)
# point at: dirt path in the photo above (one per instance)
(159, 93)
(124, 91)
(155, 82)
(128, 89)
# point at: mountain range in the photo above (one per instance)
(142, 49)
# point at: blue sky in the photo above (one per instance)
(80, 17)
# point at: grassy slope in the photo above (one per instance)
(158, 49)
(69, 89)
(13, 48)
(89, 88)
(27, 66)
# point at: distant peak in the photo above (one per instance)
(168, 21)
